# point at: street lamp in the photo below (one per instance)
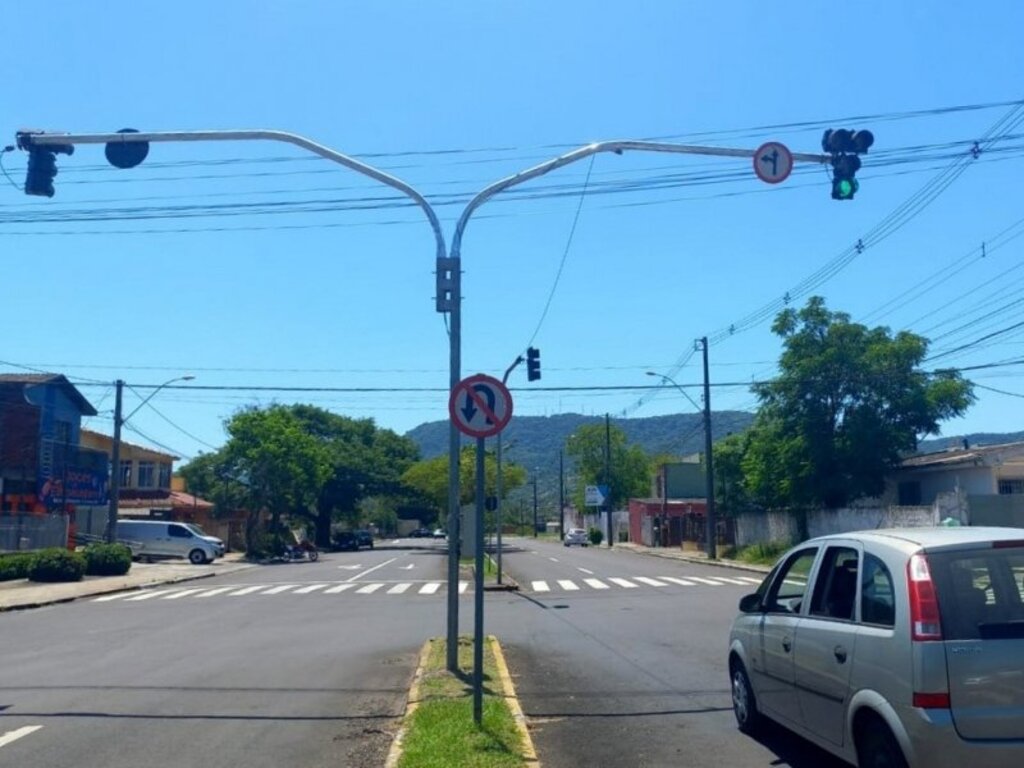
(709, 477)
(115, 453)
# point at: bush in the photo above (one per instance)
(15, 565)
(762, 553)
(56, 565)
(595, 536)
(107, 559)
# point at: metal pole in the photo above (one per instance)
(115, 464)
(561, 493)
(499, 489)
(535, 502)
(708, 465)
(478, 590)
(608, 474)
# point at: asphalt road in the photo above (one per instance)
(212, 674)
(629, 676)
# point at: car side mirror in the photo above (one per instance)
(750, 603)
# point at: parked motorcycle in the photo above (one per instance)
(305, 550)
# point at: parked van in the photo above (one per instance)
(155, 538)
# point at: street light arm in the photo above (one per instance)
(675, 384)
(617, 147)
(44, 139)
(124, 419)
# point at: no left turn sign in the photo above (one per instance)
(480, 406)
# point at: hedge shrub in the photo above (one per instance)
(15, 565)
(596, 536)
(56, 565)
(107, 559)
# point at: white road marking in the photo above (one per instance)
(568, 586)
(408, 567)
(709, 582)
(650, 582)
(431, 588)
(596, 584)
(731, 581)
(369, 589)
(108, 598)
(182, 593)
(623, 583)
(371, 570)
(149, 595)
(540, 586)
(680, 582)
(584, 570)
(245, 591)
(553, 559)
(355, 567)
(310, 588)
(10, 736)
(279, 590)
(750, 580)
(339, 588)
(399, 588)
(217, 591)
(463, 586)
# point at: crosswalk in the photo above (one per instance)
(418, 588)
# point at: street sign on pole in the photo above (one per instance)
(595, 495)
(773, 162)
(480, 406)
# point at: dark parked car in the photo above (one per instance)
(365, 539)
(421, 533)
(346, 541)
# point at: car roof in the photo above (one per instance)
(933, 537)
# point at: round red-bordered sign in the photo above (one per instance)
(773, 162)
(480, 406)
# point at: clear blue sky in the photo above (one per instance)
(257, 264)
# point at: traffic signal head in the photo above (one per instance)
(532, 364)
(845, 148)
(844, 170)
(42, 167)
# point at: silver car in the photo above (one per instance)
(576, 536)
(890, 647)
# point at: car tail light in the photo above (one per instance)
(1008, 544)
(932, 700)
(925, 622)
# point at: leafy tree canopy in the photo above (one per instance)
(430, 477)
(849, 400)
(629, 466)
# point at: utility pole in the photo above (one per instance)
(115, 464)
(608, 475)
(535, 502)
(561, 493)
(709, 474)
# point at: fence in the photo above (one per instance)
(22, 532)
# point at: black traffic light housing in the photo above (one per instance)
(845, 148)
(42, 164)
(532, 364)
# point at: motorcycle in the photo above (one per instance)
(305, 550)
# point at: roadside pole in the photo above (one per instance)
(478, 590)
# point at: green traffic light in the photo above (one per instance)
(846, 189)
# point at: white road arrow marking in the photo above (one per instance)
(10, 736)
(408, 567)
(351, 567)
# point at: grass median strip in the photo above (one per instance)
(439, 732)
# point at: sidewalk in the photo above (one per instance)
(23, 593)
(674, 553)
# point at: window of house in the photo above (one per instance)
(165, 475)
(1011, 485)
(910, 493)
(147, 474)
(126, 473)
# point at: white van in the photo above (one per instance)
(156, 538)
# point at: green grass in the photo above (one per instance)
(441, 732)
(761, 554)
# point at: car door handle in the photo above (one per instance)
(840, 653)
(787, 644)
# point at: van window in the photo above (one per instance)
(835, 588)
(877, 594)
(179, 532)
(787, 591)
(981, 593)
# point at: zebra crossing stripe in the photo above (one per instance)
(750, 580)
(431, 588)
(16, 734)
(731, 581)
(596, 584)
(339, 588)
(463, 586)
(541, 586)
(622, 583)
(680, 582)
(709, 582)
(245, 591)
(650, 582)
(310, 588)
(279, 590)
(369, 589)
(182, 593)
(568, 586)
(149, 595)
(212, 592)
(108, 598)
(399, 588)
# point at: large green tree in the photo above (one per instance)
(430, 477)
(629, 467)
(848, 401)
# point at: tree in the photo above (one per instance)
(849, 400)
(430, 477)
(629, 465)
(211, 476)
(731, 495)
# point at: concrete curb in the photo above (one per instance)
(509, 691)
(395, 753)
(673, 555)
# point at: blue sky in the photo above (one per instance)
(257, 264)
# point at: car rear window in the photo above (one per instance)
(981, 593)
